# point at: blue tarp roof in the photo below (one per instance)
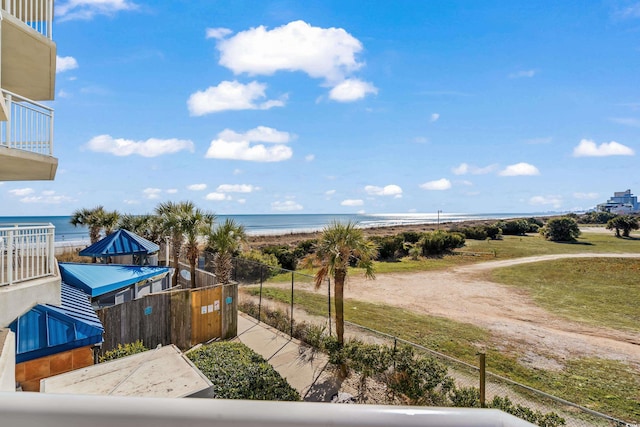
(100, 279)
(122, 242)
(47, 329)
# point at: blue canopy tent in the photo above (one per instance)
(120, 243)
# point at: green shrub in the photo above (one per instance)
(389, 247)
(550, 419)
(285, 256)
(237, 372)
(474, 233)
(561, 230)
(252, 266)
(494, 232)
(596, 217)
(516, 227)
(123, 351)
(440, 242)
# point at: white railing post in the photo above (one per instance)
(8, 122)
(51, 135)
(10, 257)
(52, 250)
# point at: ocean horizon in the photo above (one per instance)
(280, 224)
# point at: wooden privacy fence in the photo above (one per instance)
(183, 317)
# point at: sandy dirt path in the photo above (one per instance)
(463, 294)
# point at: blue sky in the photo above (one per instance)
(259, 107)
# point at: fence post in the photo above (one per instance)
(483, 371)
(329, 300)
(10, 256)
(260, 298)
(291, 334)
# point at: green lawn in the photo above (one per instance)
(598, 291)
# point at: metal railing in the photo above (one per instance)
(57, 410)
(29, 125)
(26, 252)
(37, 14)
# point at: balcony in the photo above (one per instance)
(28, 269)
(27, 52)
(26, 139)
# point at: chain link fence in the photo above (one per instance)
(291, 286)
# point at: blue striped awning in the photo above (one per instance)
(100, 279)
(48, 329)
(122, 242)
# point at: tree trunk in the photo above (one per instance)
(192, 266)
(174, 281)
(339, 304)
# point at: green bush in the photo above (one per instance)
(596, 217)
(494, 232)
(550, 419)
(390, 248)
(474, 233)
(123, 351)
(237, 372)
(252, 266)
(561, 230)
(285, 256)
(515, 227)
(440, 242)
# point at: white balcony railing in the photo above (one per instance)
(26, 252)
(59, 410)
(37, 14)
(29, 125)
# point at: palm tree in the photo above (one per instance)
(182, 221)
(195, 224)
(339, 245)
(147, 226)
(90, 218)
(225, 241)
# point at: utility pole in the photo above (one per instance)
(439, 212)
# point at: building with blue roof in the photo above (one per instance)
(53, 339)
(109, 284)
(125, 247)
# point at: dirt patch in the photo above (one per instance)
(542, 340)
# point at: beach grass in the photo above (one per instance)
(596, 291)
(606, 386)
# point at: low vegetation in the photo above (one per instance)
(237, 372)
(123, 351)
(606, 386)
(410, 377)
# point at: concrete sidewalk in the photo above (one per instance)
(302, 366)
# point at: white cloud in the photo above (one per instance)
(352, 202)
(554, 201)
(241, 201)
(351, 90)
(172, 190)
(197, 187)
(437, 185)
(63, 94)
(420, 140)
(434, 117)
(48, 199)
(88, 9)
(465, 168)
(629, 12)
(131, 202)
(388, 190)
(237, 171)
(627, 121)
(240, 146)
(586, 196)
(217, 33)
(152, 193)
(236, 188)
(217, 197)
(286, 206)
(523, 73)
(309, 158)
(152, 147)
(65, 63)
(231, 96)
(328, 53)
(520, 169)
(588, 148)
(19, 192)
(329, 193)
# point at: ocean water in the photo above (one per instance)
(274, 224)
